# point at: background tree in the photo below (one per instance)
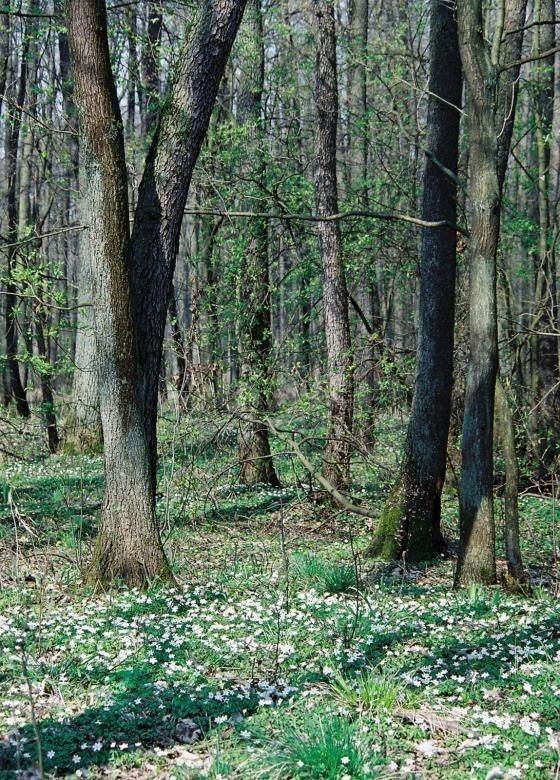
(255, 337)
(336, 457)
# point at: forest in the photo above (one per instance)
(280, 376)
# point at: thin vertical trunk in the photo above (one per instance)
(149, 97)
(336, 456)
(84, 424)
(509, 50)
(13, 126)
(27, 219)
(255, 337)
(546, 376)
(358, 176)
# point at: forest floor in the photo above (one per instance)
(282, 653)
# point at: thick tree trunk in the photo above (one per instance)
(255, 336)
(410, 522)
(336, 457)
(491, 110)
(128, 545)
(162, 196)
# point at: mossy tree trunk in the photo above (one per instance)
(410, 521)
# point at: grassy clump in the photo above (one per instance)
(326, 747)
(324, 575)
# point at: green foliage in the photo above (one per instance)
(375, 691)
(323, 575)
(319, 748)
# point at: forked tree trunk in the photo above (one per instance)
(410, 522)
(336, 456)
(132, 281)
(255, 337)
(128, 545)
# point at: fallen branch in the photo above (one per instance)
(340, 499)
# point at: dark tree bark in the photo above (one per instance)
(410, 522)
(255, 337)
(336, 457)
(128, 545)
(164, 187)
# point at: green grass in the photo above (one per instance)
(286, 660)
(324, 575)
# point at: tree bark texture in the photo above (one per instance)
(336, 456)
(477, 561)
(410, 523)
(86, 431)
(128, 545)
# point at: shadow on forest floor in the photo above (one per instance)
(144, 713)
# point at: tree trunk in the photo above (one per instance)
(13, 126)
(336, 456)
(410, 522)
(516, 576)
(128, 545)
(85, 423)
(255, 337)
(491, 111)
(510, 50)
(546, 391)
